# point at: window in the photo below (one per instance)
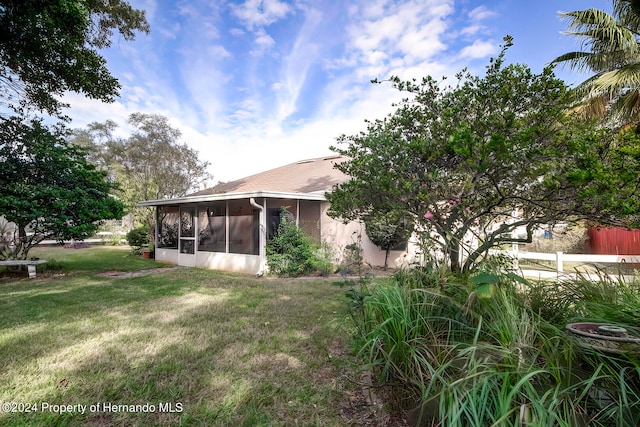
(274, 218)
(168, 227)
(243, 228)
(212, 231)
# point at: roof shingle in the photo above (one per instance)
(306, 176)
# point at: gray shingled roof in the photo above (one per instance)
(305, 176)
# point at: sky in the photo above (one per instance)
(256, 84)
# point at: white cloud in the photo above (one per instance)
(171, 31)
(479, 49)
(129, 76)
(247, 113)
(260, 13)
(411, 30)
(296, 65)
(263, 42)
(236, 32)
(218, 51)
(480, 13)
(473, 30)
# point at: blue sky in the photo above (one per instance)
(255, 84)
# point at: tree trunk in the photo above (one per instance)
(20, 252)
(454, 256)
(386, 258)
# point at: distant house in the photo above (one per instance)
(226, 227)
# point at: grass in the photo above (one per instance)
(222, 349)
(489, 350)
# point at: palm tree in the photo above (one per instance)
(611, 50)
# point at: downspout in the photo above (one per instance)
(262, 237)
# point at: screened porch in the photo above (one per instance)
(228, 234)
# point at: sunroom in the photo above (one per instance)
(229, 231)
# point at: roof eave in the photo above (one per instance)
(234, 196)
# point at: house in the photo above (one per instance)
(226, 227)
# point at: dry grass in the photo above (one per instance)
(226, 349)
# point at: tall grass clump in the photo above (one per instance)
(489, 350)
(609, 299)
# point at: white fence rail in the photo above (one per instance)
(560, 258)
(103, 237)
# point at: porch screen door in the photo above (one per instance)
(187, 240)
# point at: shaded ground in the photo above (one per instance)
(138, 273)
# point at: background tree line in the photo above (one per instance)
(48, 188)
(150, 164)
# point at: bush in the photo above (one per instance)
(137, 238)
(290, 252)
(484, 350)
(324, 259)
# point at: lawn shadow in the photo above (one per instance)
(228, 348)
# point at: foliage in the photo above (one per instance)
(611, 51)
(483, 163)
(48, 189)
(150, 164)
(137, 238)
(609, 299)
(113, 232)
(50, 47)
(459, 355)
(387, 230)
(325, 258)
(352, 259)
(290, 252)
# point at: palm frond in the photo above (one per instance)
(595, 107)
(610, 48)
(628, 13)
(600, 31)
(596, 62)
(626, 108)
(578, 19)
(620, 80)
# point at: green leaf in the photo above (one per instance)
(484, 278)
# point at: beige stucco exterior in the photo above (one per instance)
(338, 235)
(227, 226)
(332, 232)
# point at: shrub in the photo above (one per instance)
(290, 252)
(324, 259)
(487, 349)
(137, 238)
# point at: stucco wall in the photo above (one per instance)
(170, 256)
(338, 235)
(239, 263)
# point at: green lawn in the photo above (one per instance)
(198, 347)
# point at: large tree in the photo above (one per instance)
(484, 162)
(152, 163)
(48, 189)
(48, 47)
(610, 51)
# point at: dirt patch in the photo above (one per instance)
(365, 406)
(362, 404)
(138, 273)
(77, 245)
